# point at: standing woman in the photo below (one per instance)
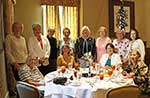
(101, 42)
(16, 52)
(39, 47)
(122, 45)
(137, 43)
(67, 40)
(85, 44)
(53, 50)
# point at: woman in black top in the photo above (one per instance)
(53, 51)
(85, 44)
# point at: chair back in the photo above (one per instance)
(26, 90)
(124, 92)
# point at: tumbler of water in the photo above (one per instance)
(70, 66)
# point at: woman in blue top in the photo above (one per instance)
(110, 58)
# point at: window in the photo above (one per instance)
(60, 17)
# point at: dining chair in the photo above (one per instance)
(26, 90)
(124, 92)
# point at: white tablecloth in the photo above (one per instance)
(83, 88)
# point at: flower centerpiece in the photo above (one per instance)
(85, 63)
(86, 60)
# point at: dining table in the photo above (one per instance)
(82, 87)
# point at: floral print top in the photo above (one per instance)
(122, 47)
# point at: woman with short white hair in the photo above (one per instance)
(85, 44)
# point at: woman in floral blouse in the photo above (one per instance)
(122, 45)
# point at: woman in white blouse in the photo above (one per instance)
(110, 58)
(136, 43)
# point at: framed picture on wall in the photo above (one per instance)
(114, 10)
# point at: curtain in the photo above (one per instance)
(70, 20)
(52, 19)
(60, 17)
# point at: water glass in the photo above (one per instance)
(70, 66)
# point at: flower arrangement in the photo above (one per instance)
(86, 60)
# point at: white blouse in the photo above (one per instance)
(115, 59)
(16, 49)
(138, 45)
(35, 49)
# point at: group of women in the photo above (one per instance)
(121, 52)
(122, 46)
(43, 52)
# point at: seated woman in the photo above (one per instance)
(30, 73)
(110, 58)
(65, 58)
(139, 71)
(135, 64)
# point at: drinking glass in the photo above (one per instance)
(75, 73)
(113, 67)
(70, 66)
(101, 76)
(93, 64)
(110, 71)
(63, 69)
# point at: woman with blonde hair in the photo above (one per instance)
(85, 44)
(101, 42)
(16, 53)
